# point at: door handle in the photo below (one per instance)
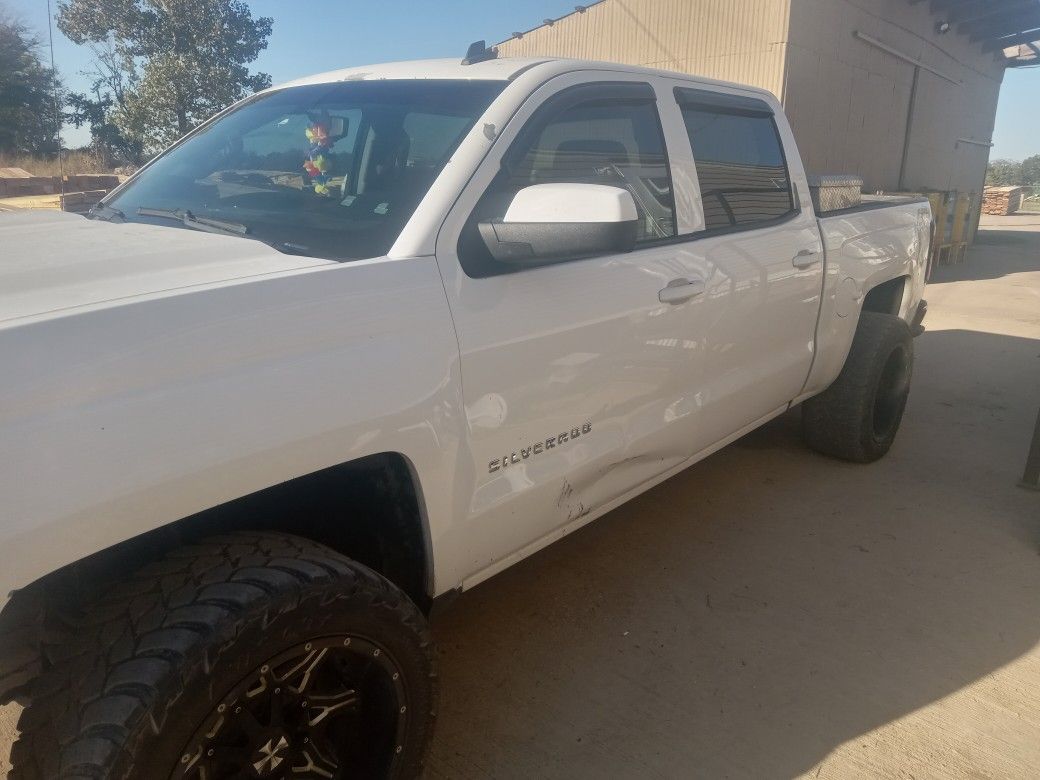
(805, 258)
(679, 290)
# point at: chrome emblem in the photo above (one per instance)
(270, 758)
(538, 447)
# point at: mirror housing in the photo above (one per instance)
(547, 222)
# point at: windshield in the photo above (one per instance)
(329, 170)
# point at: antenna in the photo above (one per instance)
(477, 52)
(57, 110)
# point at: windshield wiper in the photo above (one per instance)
(105, 212)
(211, 225)
(189, 220)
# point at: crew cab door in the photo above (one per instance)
(756, 244)
(577, 378)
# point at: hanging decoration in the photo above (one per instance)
(316, 165)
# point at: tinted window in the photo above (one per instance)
(612, 142)
(383, 144)
(740, 165)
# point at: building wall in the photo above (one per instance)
(734, 40)
(848, 101)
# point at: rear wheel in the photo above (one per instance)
(858, 416)
(247, 656)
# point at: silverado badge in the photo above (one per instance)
(538, 447)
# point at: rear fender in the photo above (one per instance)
(865, 250)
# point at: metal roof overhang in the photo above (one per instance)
(1011, 27)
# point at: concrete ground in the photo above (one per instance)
(773, 613)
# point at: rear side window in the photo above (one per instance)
(740, 164)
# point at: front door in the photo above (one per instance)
(577, 378)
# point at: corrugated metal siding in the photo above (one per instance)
(734, 40)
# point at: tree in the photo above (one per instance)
(1002, 172)
(28, 93)
(113, 77)
(1031, 171)
(178, 61)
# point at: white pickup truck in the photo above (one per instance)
(366, 339)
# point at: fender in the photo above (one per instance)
(863, 249)
(151, 409)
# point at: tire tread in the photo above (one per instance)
(160, 621)
(837, 422)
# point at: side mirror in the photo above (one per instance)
(546, 222)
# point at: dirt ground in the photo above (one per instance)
(773, 613)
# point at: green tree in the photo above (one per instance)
(180, 60)
(28, 91)
(113, 77)
(1001, 172)
(1031, 171)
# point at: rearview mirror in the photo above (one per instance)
(337, 127)
(546, 222)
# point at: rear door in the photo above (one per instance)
(759, 252)
(578, 381)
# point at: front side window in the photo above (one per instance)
(616, 142)
(328, 170)
(741, 167)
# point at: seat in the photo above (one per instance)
(583, 160)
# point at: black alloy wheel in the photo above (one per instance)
(330, 708)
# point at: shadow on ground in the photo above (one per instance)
(767, 605)
(1009, 249)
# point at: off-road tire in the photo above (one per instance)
(858, 416)
(158, 651)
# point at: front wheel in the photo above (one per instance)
(858, 416)
(249, 655)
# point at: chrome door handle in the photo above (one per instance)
(805, 258)
(679, 290)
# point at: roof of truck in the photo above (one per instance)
(500, 69)
(488, 70)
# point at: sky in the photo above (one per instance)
(318, 35)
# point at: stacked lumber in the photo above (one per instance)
(81, 201)
(1002, 201)
(15, 182)
(83, 182)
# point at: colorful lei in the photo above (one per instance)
(316, 165)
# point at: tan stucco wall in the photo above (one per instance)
(848, 100)
(735, 40)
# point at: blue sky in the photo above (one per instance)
(318, 35)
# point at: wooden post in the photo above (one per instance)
(975, 215)
(1031, 475)
(939, 212)
(959, 237)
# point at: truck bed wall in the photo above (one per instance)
(863, 248)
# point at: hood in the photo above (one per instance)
(53, 260)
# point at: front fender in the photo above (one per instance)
(121, 418)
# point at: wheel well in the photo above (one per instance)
(367, 509)
(887, 297)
